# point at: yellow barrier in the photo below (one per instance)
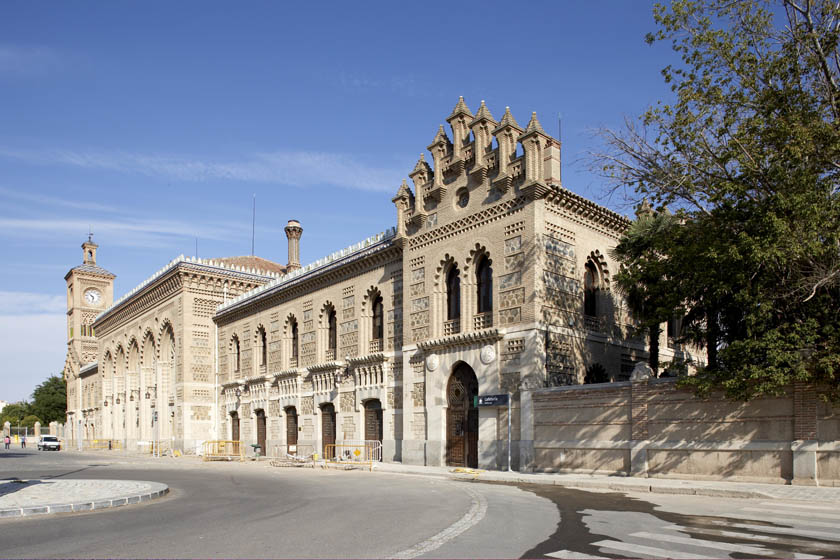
(106, 444)
(223, 449)
(349, 455)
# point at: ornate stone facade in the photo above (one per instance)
(493, 272)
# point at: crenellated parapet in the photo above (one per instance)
(468, 160)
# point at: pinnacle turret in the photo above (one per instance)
(507, 121)
(534, 125)
(440, 137)
(483, 114)
(422, 165)
(460, 109)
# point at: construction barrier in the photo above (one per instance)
(157, 448)
(293, 455)
(349, 455)
(223, 449)
(102, 444)
(374, 446)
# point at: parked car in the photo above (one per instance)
(47, 443)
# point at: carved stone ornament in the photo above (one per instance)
(488, 354)
(432, 362)
(641, 372)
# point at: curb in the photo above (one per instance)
(158, 490)
(602, 485)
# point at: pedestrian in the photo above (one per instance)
(23, 442)
(7, 440)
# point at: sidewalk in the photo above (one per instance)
(37, 497)
(715, 488)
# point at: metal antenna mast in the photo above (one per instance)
(253, 223)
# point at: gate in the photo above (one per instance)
(261, 431)
(373, 420)
(234, 426)
(291, 430)
(462, 418)
(328, 430)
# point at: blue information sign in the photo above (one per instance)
(492, 400)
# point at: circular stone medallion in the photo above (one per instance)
(488, 354)
(431, 362)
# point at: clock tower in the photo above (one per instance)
(90, 291)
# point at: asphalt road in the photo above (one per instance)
(252, 510)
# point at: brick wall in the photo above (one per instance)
(651, 428)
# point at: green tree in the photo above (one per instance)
(748, 155)
(29, 421)
(643, 278)
(49, 400)
(14, 413)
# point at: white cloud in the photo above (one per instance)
(122, 233)
(54, 201)
(34, 348)
(294, 168)
(15, 303)
(16, 59)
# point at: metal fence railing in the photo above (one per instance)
(374, 447)
(229, 450)
(348, 455)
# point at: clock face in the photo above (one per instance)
(92, 296)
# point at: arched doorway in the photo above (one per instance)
(234, 426)
(291, 430)
(261, 431)
(462, 418)
(328, 429)
(373, 420)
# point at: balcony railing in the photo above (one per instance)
(375, 345)
(293, 361)
(330, 354)
(483, 321)
(591, 323)
(452, 327)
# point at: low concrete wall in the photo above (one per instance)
(651, 428)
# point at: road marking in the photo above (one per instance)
(809, 514)
(784, 530)
(477, 511)
(574, 555)
(647, 551)
(763, 538)
(704, 543)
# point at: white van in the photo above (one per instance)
(47, 443)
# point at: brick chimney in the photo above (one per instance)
(293, 233)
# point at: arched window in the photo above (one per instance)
(263, 347)
(332, 335)
(237, 354)
(294, 341)
(484, 284)
(378, 320)
(590, 290)
(453, 294)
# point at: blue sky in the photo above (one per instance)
(155, 123)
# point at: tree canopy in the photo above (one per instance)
(747, 157)
(49, 400)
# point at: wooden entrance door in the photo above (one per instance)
(373, 420)
(291, 429)
(234, 426)
(328, 429)
(462, 418)
(261, 432)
